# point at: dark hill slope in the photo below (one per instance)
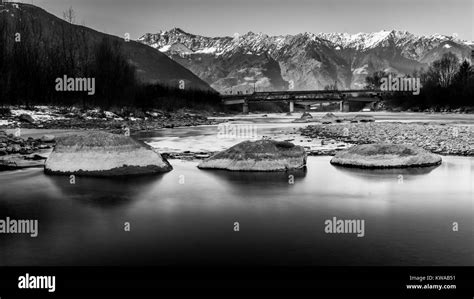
(152, 66)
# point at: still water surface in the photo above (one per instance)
(173, 222)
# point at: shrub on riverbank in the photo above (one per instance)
(446, 85)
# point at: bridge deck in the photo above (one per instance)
(304, 96)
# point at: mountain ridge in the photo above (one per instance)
(306, 60)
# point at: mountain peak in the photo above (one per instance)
(270, 60)
(177, 29)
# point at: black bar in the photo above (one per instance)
(219, 282)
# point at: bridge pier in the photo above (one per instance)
(344, 106)
(245, 109)
(345, 98)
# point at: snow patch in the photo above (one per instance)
(5, 122)
(109, 114)
(165, 48)
(361, 70)
(44, 113)
(209, 50)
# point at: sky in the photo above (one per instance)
(273, 17)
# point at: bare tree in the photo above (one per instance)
(70, 15)
(444, 70)
(374, 81)
(331, 86)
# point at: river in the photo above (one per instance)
(188, 216)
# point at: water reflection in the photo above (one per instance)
(385, 174)
(247, 177)
(186, 216)
(105, 192)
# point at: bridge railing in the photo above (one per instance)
(301, 95)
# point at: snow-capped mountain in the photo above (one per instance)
(302, 61)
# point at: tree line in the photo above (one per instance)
(447, 84)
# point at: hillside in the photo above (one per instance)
(152, 66)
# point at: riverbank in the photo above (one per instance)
(17, 152)
(187, 136)
(54, 118)
(441, 139)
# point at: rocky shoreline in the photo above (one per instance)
(17, 151)
(72, 118)
(441, 139)
(327, 139)
(11, 144)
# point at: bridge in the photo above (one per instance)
(305, 98)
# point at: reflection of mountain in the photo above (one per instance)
(304, 61)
